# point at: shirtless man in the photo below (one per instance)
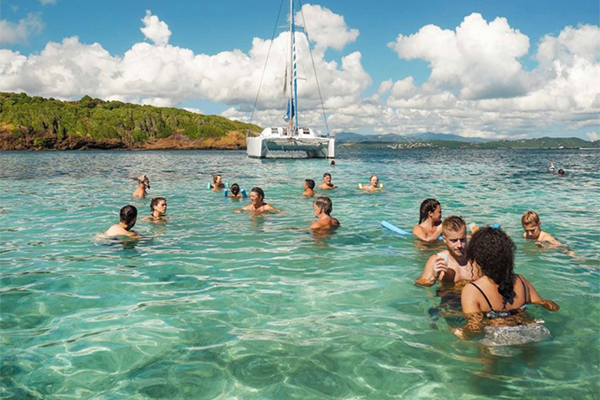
(531, 225)
(430, 221)
(128, 217)
(322, 207)
(309, 188)
(327, 185)
(143, 184)
(257, 205)
(454, 232)
(373, 185)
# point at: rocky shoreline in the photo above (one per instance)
(38, 142)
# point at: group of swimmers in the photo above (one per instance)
(492, 295)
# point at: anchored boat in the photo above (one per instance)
(291, 138)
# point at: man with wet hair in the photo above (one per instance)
(128, 217)
(327, 185)
(451, 265)
(309, 188)
(322, 207)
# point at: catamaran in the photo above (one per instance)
(291, 138)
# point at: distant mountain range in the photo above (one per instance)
(351, 137)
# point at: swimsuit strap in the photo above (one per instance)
(527, 300)
(486, 298)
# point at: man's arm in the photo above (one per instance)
(429, 275)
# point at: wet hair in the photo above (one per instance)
(561, 171)
(530, 217)
(326, 174)
(324, 203)
(310, 183)
(332, 162)
(373, 176)
(453, 224)
(154, 202)
(427, 206)
(215, 177)
(494, 252)
(128, 214)
(258, 191)
(235, 189)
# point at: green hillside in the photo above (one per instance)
(38, 123)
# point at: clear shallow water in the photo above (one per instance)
(220, 305)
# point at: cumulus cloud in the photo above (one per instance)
(11, 33)
(155, 29)
(478, 85)
(161, 74)
(593, 136)
(325, 28)
(45, 2)
(480, 59)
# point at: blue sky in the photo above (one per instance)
(505, 69)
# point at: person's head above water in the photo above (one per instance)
(257, 195)
(454, 232)
(430, 207)
(217, 178)
(309, 183)
(531, 224)
(332, 163)
(374, 180)
(494, 253)
(158, 204)
(234, 189)
(324, 204)
(128, 216)
(561, 172)
(143, 180)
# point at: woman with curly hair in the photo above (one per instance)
(495, 303)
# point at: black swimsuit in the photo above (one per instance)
(506, 313)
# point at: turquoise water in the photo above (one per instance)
(216, 304)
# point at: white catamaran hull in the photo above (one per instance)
(315, 147)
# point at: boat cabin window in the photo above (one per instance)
(306, 131)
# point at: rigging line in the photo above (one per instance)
(266, 60)
(314, 67)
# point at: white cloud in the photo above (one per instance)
(155, 29)
(593, 136)
(45, 2)
(11, 33)
(325, 28)
(194, 110)
(479, 59)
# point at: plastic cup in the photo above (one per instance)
(445, 256)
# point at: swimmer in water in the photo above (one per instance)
(499, 297)
(128, 216)
(450, 266)
(532, 226)
(257, 204)
(234, 192)
(552, 167)
(327, 185)
(322, 207)
(143, 184)
(158, 208)
(217, 183)
(430, 221)
(373, 185)
(309, 188)
(561, 172)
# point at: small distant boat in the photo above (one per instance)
(291, 138)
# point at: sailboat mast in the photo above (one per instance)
(292, 75)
